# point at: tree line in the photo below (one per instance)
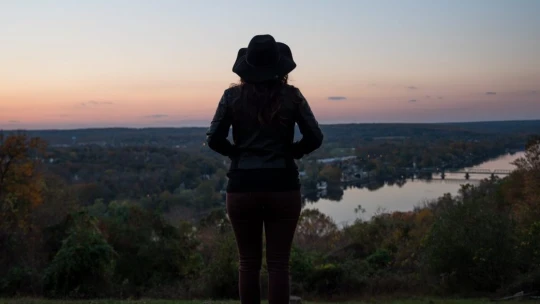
(59, 239)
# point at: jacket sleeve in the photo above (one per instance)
(216, 136)
(312, 136)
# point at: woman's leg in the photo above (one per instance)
(246, 218)
(281, 213)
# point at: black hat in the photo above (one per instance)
(264, 59)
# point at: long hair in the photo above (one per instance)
(259, 103)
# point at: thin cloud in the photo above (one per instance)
(337, 98)
(412, 100)
(157, 116)
(491, 93)
(412, 88)
(96, 103)
(427, 96)
(14, 121)
(440, 97)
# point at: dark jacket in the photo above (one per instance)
(265, 146)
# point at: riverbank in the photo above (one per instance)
(354, 171)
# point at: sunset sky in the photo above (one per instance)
(110, 63)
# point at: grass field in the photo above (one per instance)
(420, 301)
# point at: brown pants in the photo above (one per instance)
(278, 212)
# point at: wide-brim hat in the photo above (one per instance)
(264, 59)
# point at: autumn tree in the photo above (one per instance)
(523, 194)
(21, 187)
(20, 180)
(316, 231)
(522, 187)
(531, 160)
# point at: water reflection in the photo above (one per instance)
(335, 192)
(401, 194)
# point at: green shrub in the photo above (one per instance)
(391, 283)
(301, 269)
(472, 245)
(530, 248)
(326, 279)
(16, 280)
(356, 276)
(163, 254)
(220, 276)
(527, 282)
(380, 259)
(84, 265)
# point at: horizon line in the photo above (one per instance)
(322, 124)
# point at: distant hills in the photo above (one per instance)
(189, 136)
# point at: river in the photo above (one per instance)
(404, 197)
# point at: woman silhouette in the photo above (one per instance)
(263, 189)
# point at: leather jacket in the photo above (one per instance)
(265, 146)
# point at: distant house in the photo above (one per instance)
(322, 185)
(335, 159)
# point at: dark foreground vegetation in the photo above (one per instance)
(143, 301)
(147, 221)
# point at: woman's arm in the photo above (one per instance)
(312, 136)
(217, 134)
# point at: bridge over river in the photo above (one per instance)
(467, 171)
